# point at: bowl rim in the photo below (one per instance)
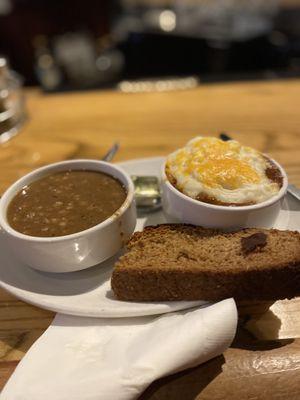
(234, 209)
(13, 189)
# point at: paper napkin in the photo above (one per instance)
(116, 359)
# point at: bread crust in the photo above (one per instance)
(189, 280)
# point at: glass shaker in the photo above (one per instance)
(12, 105)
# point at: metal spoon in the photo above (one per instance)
(294, 191)
(111, 152)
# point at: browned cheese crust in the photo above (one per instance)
(272, 172)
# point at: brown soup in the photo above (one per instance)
(65, 202)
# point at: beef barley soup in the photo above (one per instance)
(65, 202)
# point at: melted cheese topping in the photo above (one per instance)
(225, 171)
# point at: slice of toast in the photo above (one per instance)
(185, 262)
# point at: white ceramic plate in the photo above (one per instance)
(88, 293)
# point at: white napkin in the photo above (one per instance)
(116, 359)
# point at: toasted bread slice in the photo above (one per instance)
(185, 262)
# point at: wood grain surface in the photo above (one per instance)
(264, 361)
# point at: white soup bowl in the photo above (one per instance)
(79, 250)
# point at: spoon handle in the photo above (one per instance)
(111, 152)
(294, 191)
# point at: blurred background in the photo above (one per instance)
(72, 45)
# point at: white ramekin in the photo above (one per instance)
(180, 207)
(78, 250)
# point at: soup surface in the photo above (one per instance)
(65, 202)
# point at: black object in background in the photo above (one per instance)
(28, 19)
(148, 54)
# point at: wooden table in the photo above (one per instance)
(264, 361)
